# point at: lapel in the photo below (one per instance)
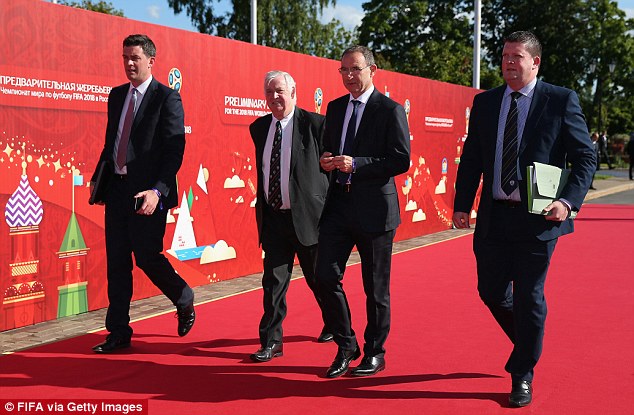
(538, 104)
(371, 107)
(262, 129)
(491, 123)
(297, 137)
(118, 100)
(338, 114)
(147, 98)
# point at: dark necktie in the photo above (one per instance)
(509, 148)
(275, 170)
(349, 140)
(122, 150)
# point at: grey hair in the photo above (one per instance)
(365, 51)
(290, 82)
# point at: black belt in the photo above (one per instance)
(507, 203)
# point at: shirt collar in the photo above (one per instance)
(143, 87)
(526, 91)
(284, 120)
(363, 98)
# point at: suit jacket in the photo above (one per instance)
(381, 151)
(157, 140)
(555, 133)
(307, 183)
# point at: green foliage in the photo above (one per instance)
(289, 25)
(576, 35)
(98, 6)
(434, 39)
(431, 39)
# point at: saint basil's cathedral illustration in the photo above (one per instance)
(24, 297)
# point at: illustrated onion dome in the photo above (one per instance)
(24, 207)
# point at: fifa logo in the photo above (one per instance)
(319, 99)
(175, 79)
(408, 108)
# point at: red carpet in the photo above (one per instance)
(445, 354)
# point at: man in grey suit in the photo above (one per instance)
(524, 121)
(290, 198)
(145, 142)
(366, 144)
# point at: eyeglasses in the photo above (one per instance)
(354, 70)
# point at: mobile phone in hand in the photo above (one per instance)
(138, 202)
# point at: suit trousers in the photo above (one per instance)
(126, 233)
(512, 266)
(280, 245)
(340, 230)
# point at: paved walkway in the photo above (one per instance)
(55, 330)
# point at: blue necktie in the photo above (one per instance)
(349, 140)
(509, 149)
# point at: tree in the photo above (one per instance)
(99, 7)
(432, 39)
(289, 25)
(575, 34)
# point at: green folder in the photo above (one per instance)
(544, 183)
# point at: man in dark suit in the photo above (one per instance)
(290, 199)
(145, 142)
(366, 144)
(511, 127)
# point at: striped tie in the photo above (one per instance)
(275, 170)
(509, 148)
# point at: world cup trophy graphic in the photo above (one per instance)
(319, 99)
(175, 79)
(408, 106)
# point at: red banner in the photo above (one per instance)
(54, 86)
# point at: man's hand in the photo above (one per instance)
(150, 201)
(461, 220)
(326, 161)
(556, 211)
(343, 163)
(91, 186)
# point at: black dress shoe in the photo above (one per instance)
(342, 362)
(325, 336)
(111, 344)
(370, 365)
(264, 354)
(186, 317)
(521, 394)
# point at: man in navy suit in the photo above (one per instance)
(512, 126)
(366, 144)
(145, 142)
(290, 198)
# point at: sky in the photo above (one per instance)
(349, 12)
